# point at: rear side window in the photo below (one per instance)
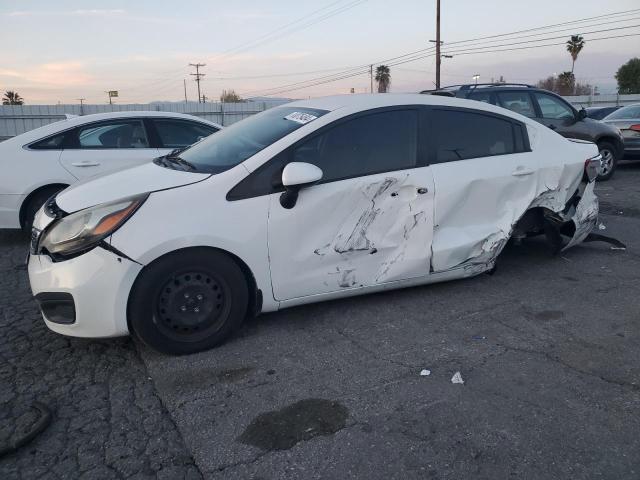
(519, 102)
(180, 133)
(374, 143)
(461, 135)
(481, 97)
(112, 134)
(51, 143)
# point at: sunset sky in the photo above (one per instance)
(60, 51)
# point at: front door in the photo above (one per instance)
(101, 147)
(370, 219)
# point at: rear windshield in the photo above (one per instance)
(632, 111)
(234, 144)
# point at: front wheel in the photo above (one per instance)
(188, 301)
(609, 160)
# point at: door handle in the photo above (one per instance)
(85, 164)
(422, 190)
(520, 172)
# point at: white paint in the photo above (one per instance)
(457, 378)
(25, 170)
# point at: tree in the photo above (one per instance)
(564, 84)
(230, 96)
(12, 98)
(628, 77)
(383, 77)
(574, 46)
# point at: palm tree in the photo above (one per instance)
(574, 46)
(383, 77)
(12, 98)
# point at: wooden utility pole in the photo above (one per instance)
(371, 76)
(198, 75)
(438, 58)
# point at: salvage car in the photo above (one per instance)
(305, 202)
(37, 164)
(548, 109)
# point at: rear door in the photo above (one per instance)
(101, 147)
(369, 220)
(484, 176)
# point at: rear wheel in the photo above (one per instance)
(188, 301)
(609, 160)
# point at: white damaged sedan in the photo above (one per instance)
(305, 202)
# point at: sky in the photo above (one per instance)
(60, 51)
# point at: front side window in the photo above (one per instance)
(233, 145)
(181, 133)
(460, 135)
(112, 134)
(519, 102)
(374, 143)
(553, 108)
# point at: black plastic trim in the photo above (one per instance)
(57, 307)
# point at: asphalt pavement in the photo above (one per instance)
(547, 347)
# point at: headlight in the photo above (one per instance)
(84, 229)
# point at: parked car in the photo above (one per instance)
(549, 109)
(627, 119)
(41, 162)
(308, 201)
(598, 113)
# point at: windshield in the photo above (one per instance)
(233, 145)
(632, 111)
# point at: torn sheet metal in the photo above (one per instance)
(585, 216)
(372, 230)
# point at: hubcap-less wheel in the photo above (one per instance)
(192, 306)
(606, 165)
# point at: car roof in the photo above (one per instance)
(75, 121)
(367, 101)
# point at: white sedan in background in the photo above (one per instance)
(309, 201)
(41, 162)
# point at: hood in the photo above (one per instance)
(124, 183)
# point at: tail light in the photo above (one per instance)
(592, 167)
(635, 128)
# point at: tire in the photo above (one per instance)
(188, 301)
(609, 160)
(34, 204)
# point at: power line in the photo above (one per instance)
(426, 52)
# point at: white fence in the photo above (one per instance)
(612, 100)
(17, 119)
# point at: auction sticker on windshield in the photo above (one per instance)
(300, 117)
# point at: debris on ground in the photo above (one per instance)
(602, 226)
(478, 337)
(457, 378)
(425, 373)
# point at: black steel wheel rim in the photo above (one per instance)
(192, 305)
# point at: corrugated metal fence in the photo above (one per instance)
(17, 119)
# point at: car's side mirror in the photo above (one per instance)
(582, 114)
(297, 175)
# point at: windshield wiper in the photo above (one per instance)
(170, 161)
(181, 161)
